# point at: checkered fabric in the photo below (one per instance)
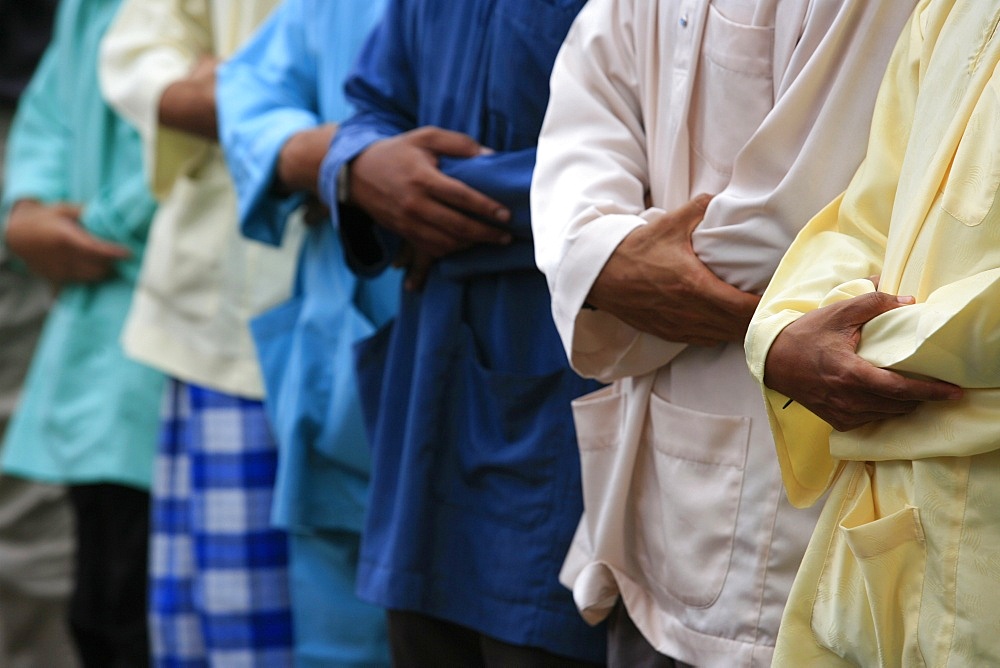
(218, 571)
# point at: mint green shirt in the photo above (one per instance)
(87, 414)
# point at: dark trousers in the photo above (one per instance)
(627, 648)
(108, 607)
(419, 641)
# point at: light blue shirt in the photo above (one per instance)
(287, 79)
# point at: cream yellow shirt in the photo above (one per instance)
(201, 281)
(903, 567)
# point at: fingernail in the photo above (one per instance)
(905, 299)
(506, 239)
(503, 215)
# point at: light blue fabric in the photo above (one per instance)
(87, 413)
(287, 79)
(476, 487)
(322, 572)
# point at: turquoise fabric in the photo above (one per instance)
(87, 413)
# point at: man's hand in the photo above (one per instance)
(51, 241)
(655, 283)
(814, 361)
(188, 104)
(398, 183)
(301, 157)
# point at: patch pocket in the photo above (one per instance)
(511, 427)
(736, 68)
(598, 417)
(699, 461)
(870, 588)
(186, 256)
(970, 188)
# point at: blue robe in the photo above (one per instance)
(475, 479)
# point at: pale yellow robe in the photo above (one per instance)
(201, 280)
(904, 566)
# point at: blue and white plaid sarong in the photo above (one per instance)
(218, 570)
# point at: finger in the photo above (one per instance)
(857, 311)
(467, 231)
(458, 195)
(447, 142)
(67, 210)
(729, 300)
(87, 270)
(404, 258)
(433, 240)
(416, 274)
(97, 249)
(893, 386)
(726, 299)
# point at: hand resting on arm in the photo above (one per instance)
(814, 361)
(655, 282)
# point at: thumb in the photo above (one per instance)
(99, 248)
(859, 310)
(109, 251)
(690, 215)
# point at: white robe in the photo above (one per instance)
(766, 105)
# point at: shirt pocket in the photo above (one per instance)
(183, 267)
(734, 89)
(970, 188)
(689, 515)
(513, 431)
(869, 592)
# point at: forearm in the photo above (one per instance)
(300, 158)
(189, 105)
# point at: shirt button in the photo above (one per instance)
(684, 21)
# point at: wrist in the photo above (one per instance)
(23, 206)
(343, 184)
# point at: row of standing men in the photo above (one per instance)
(297, 248)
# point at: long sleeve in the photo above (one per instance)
(123, 214)
(37, 151)
(45, 162)
(149, 46)
(267, 92)
(590, 185)
(382, 88)
(887, 224)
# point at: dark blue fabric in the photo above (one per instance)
(476, 481)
